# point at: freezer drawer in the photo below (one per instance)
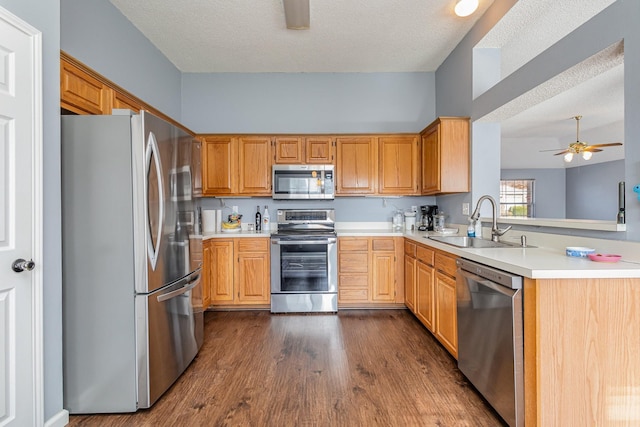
(171, 337)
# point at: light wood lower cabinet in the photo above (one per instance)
(368, 270)
(430, 275)
(237, 271)
(446, 316)
(425, 306)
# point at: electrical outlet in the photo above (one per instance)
(465, 209)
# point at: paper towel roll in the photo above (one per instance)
(218, 220)
(209, 220)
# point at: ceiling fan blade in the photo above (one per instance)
(553, 149)
(592, 150)
(611, 144)
(562, 152)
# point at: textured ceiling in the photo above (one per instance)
(403, 36)
(345, 36)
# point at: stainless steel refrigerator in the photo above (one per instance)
(132, 299)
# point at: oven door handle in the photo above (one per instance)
(329, 241)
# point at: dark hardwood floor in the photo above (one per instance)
(357, 368)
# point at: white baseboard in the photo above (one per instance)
(60, 419)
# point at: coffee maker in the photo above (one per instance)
(427, 213)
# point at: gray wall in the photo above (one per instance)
(549, 190)
(348, 209)
(308, 102)
(454, 77)
(45, 17)
(97, 34)
(592, 191)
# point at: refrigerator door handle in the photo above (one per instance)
(190, 285)
(152, 151)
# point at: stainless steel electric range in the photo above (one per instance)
(304, 261)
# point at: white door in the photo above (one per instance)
(20, 223)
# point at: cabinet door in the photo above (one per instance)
(221, 275)
(252, 278)
(318, 150)
(425, 304)
(383, 276)
(82, 93)
(219, 165)
(120, 100)
(446, 315)
(399, 165)
(356, 165)
(431, 161)
(410, 282)
(254, 166)
(207, 269)
(288, 150)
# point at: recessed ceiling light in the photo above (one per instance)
(466, 7)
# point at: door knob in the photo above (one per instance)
(21, 265)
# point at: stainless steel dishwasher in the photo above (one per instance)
(490, 336)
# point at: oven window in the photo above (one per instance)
(303, 268)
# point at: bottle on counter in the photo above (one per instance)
(266, 219)
(471, 229)
(258, 219)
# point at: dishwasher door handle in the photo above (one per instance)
(487, 283)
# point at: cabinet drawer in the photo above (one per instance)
(410, 248)
(446, 264)
(253, 245)
(426, 255)
(353, 281)
(346, 295)
(386, 244)
(353, 262)
(353, 245)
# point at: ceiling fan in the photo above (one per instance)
(581, 147)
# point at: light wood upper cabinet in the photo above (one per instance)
(219, 165)
(254, 165)
(120, 100)
(313, 150)
(288, 150)
(356, 165)
(399, 169)
(82, 93)
(445, 156)
(319, 150)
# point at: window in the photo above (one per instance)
(516, 197)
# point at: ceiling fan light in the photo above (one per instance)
(568, 157)
(465, 7)
(296, 14)
(586, 155)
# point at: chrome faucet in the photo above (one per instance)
(495, 231)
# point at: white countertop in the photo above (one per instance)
(546, 261)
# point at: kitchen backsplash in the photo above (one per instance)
(351, 209)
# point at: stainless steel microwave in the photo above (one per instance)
(303, 182)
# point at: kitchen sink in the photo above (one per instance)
(472, 242)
